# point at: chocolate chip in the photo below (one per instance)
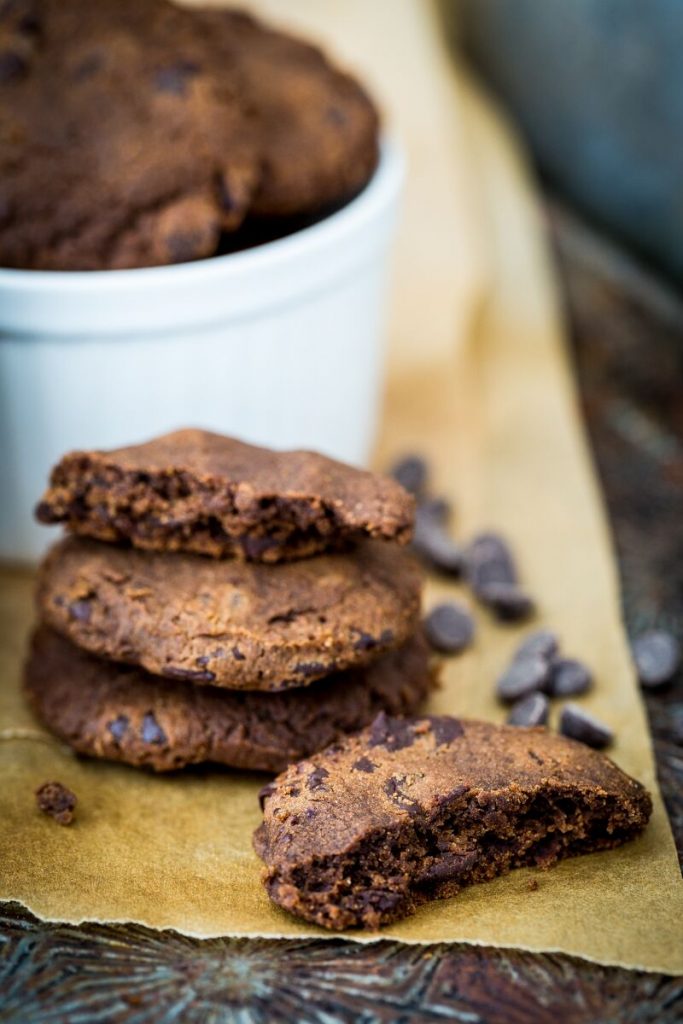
(12, 65)
(365, 642)
(522, 677)
(411, 473)
(508, 602)
(393, 789)
(568, 678)
(336, 116)
(80, 610)
(192, 675)
(254, 547)
(531, 710)
(488, 559)
(316, 780)
(55, 799)
(237, 654)
(449, 628)
(151, 731)
(578, 724)
(434, 546)
(174, 79)
(542, 642)
(309, 668)
(88, 66)
(391, 733)
(118, 727)
(264, 792)
(657, 655)
(364, 764)
(439, 510)
(445, 729)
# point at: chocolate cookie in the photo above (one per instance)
(411, 810)
(121, 146)
(316, 129)
(196, 491)
(123, 714)
(234, 624)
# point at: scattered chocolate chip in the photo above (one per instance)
(391, 733)
(522, 677)
(488, 559)
(237, 654)
(449, 628)
(531, 710)
(657, 655)
(434, 546)
(579, 725)
(542, 642)
(568, 678)
(151, 731)
(118, 727)
(411, 473)
(56, 800)
(264, 792)
(507, 601)
(316, 780)
(438, 509)
(445, 729)
(364, 764)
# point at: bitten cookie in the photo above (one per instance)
(196, 491)
(236, 624)
(124, 714)
(121, 146)
(411, 810)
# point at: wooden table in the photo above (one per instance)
(628, 345)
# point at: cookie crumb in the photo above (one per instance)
(532, 885)
(56, 800)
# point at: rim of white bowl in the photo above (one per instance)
(206, 291)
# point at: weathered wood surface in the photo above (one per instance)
(628, 345)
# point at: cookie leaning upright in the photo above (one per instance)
(141, 653)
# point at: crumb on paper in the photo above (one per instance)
(56, 800)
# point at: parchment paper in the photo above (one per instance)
(477, 379)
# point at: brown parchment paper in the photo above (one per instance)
(478, 379)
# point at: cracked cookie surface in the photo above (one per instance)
(192, 490)
(411, 810)
(236, 624)
(124, 714)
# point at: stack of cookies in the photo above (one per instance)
(215, 601)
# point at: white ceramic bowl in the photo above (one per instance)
(279, 345)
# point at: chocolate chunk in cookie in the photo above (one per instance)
(455, 802)
(233, 624)
(124, 714)
(196, 491)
